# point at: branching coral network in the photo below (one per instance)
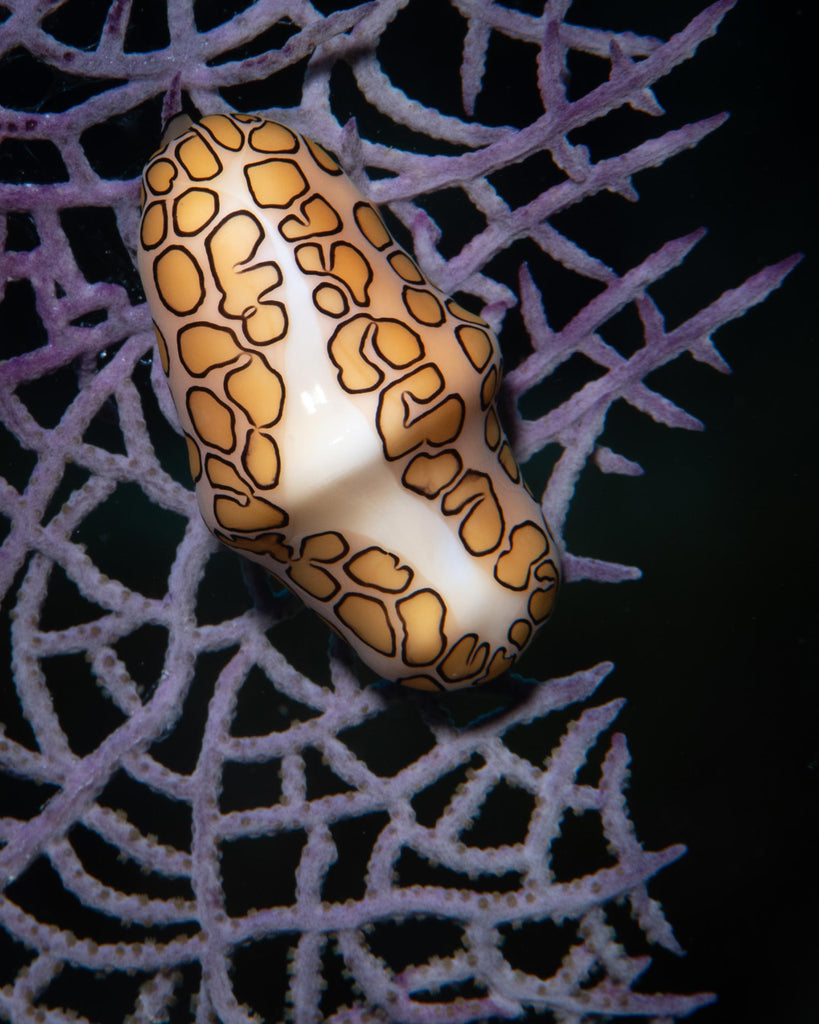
(193, 820)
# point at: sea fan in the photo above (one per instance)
(210, 810)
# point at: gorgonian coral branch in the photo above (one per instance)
(89, 428)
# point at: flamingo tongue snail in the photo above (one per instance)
(339, 410)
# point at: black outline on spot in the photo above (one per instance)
(326, 533)
(246, 468)
(394, 320)
(365, 334)
(162, 346)
(224, 145)
(466, 352)
(369, 206)
(400, 252)
(303, 219)
(553, 578)
(325, 263)
(338, 291)
(246, 169)
(506, 446)
(477, 646)
(161, 204)
(209, 458)
(214, 327)
(423, 455)
(397, 566)
(308, 145)
(550, 612)
(261, 122)
(267, 369)
(486, 402)
(374, 600)
(424, 291)
(210, 444)
(475, 500)
(479, 322)
(188, 137)
(243, 266)
(395, 386)
(442, 634)
(241, 543)
(194, 188)
(192, 439)
(336, 586)
(199, 274)
(152, 165)
(492, 412)
(251, 530)
(535, 561)
(407, 681)
(523, 622)
(370, 334)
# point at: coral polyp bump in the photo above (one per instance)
(339, 409)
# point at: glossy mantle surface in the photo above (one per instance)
(339, 409)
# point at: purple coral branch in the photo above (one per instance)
(579, 422)
(40, 541)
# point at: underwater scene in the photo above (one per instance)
(407, 504)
